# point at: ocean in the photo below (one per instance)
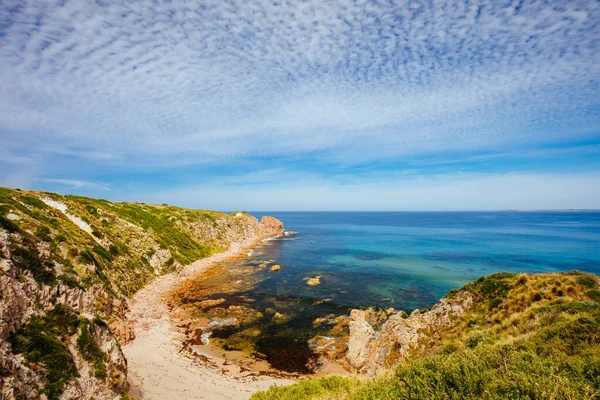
(403, 260)
(411, 259)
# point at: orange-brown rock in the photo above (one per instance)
(122, 331)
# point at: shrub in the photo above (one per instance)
(493, 303)
(536, 296)
(587, 280)
(8, 225)
(69, 281)
(594, 294)
(101, 251)
(92, 210)
(113, 250)
(43, 233)
(495, 285)
(33, 201)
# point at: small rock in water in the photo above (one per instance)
(314, 281)
(280, 318)
(276, 267)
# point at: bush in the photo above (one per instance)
(589, 281)
(33, 201)
(43, 233)
(594, 294)
(69, 281)
(8, 225)
(495, 285)
(493, 303)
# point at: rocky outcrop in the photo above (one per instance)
(270, 226)
(370, 350)
(360, 343)
(122, 330)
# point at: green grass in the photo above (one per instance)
(489, 372)
(160, 220)
(8, 225)
(310, 389)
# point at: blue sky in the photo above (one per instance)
(304, 105)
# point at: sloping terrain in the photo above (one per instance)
(502, 336)
(68, 265)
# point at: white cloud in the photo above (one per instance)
(353, 78)
(76, 184)
(524, 191)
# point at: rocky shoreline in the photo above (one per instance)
(162, 363)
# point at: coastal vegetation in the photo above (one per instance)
(65, 259)
(525, 336)
(122, 245)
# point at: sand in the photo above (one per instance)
(158, 368)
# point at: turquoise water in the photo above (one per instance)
(402, 260)
(410, 260)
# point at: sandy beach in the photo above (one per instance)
(157, 366)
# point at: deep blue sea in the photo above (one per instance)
(410, 260)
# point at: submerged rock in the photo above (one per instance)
(276, 267)
(210, 303)
(314, 281)
(280, 318)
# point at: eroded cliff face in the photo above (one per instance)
(67, 268)
(370, 350)
(24, 371)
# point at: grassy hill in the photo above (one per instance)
(121, 245)
(524, 337)
(68, 265)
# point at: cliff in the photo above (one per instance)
(502, 336)
(68, 266)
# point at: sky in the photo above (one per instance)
(304, 105)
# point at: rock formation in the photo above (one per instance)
(370, 350)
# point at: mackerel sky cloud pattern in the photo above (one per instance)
(325, 85)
